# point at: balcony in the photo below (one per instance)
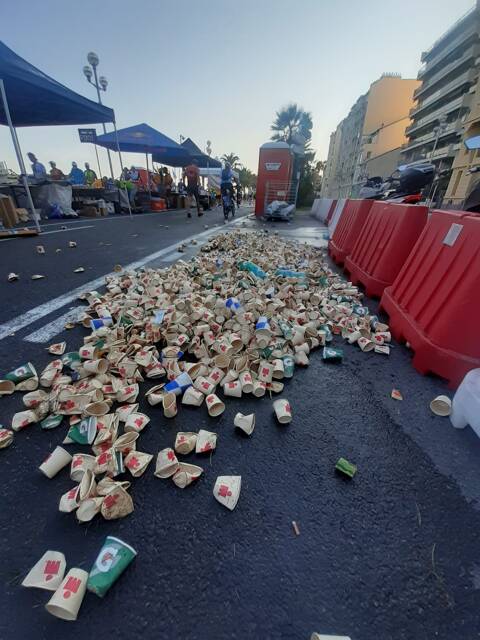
(469, 30)
(464, 78)
(472, 52)
(429, 138)
(433, 116)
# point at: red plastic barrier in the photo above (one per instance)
(330, 212)
(353, 218)
(434, 303)
(386, 239)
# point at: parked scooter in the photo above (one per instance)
(404, 185)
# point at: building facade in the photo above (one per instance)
(449, 78)
(368, 141)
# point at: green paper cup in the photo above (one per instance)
(50, 422)
(111, 562)
(24, 372)
(331, 354)
(345, 467)
(289, 366)
(84, 432)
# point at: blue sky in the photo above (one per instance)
(217, 70)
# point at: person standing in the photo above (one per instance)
(89, 175)
(38, 169)
(55, 173)
(192, 174)
(76, 175)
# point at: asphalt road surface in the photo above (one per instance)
(392, 554)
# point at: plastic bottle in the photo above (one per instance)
(288, 273)
(252, 268)
(466, 403)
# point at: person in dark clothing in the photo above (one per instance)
(192, 173)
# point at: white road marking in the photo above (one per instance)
(31, 316)
(51, 329)
(46, 233)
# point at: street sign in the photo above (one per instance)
(87, 135)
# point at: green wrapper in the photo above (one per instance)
(50, 422)
(111, 562)
(346, 467)
(71, 359)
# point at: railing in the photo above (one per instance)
(445, 35)
(463, 78)
(472, 52)
(430, 137)
(435, 115)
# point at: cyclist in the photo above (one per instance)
(226, 188)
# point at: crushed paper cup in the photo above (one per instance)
(259, 388)
(57, 349)
(106, 484)
(48, 572)
(117, 504)
(88, 486)
(125, 410)
(88, 352)
(97, 408)
(227, 490)
(215, 406)
(12, 276)
(301, 359)
(69, 500)
(136, 422)
(245, 422)
(206, 441)
(6, 387)
(58, 459)
(233, 389)
(114, 557)
(96, 366)
(126, 442)
(22, 373)
(365, 344)
(89, 508)
(6, 438)
(204, 385)
(104, 462)
(67, 599)
(155, 395)
(179, 385)
(382, 348)
(185, 442)
(186, 474)
(169, 403)
(441, 406)
(332, 354)
(166, 464)
(51, 422)
(34, 398)
(83, 432)
(278, 369)
(396, 394)
(137, 462)
(80, 463)
(283, 410)
(193, 397)
(27, 385)
(51, 371)
(246, 381)
(128, 393)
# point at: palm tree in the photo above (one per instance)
(291, 120)
(231, 158)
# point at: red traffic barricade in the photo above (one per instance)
(348, 229)
(386, 239)
(330, 212)
(434, 303)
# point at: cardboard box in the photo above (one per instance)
(8, 212)
(23, 215)
(89, 212)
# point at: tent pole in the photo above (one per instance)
(121, 166)
(98, 162)
(18, 151)
(148, 178)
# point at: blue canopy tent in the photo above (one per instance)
(190, 152)
(31, 98)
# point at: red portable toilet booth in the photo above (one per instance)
(274, 181)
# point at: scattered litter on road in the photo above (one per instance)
(295, 528)
(72, 244)
(396, 395)
(113, 559)
(79, 270)
(12, 277)
(227, 490)
(57, 349)
(118, 268)
(345, 467)
(40, 248)
(37, 276)
(441, 406)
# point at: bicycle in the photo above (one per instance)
(228, 202)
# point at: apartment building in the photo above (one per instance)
(449, 77)
(369, 140)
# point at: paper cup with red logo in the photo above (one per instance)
(245, 422)
(58, 459)
(193, 397)
(125, 410)
(6, 438)
(22, 419)
(214, 405)
(216, 375)
(67, 599)
(34, 398)
(136, 422)
(169, 403)
(128, 393)
(365, 344)
(126, 442)
(89, 508)
(185, 442)
(47, 573)
(106, 485)
(204, 385)
(246, 381)
(233, 389)
(386, 336)
(80, 463)
(88, 352)
(137, 462)
(283, 410)
(117, 504)
(301, 359)
(6, 387)
(111, 562)
(97, 408)
(57, 349)
(265, 371)
(206, 441)
(155, 395)
(278, 369)
(259, 388)
(166, 464)
(186, 474)
(88, 486)
(104, 461)
(227, 490)
(230, 376)
(69, 500)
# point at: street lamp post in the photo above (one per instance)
(100, 83)
(438, 130)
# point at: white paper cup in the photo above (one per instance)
(365, 344)
(265, 371)
(48, 572)
(6, 387)
(136, 422)
(206, 441)
(301, 359)
(89, 508)
(233, 389)
(283, 411)
(246, 381)
(96, 366)
(97, 408)
(193, 397)
(185, 442)
(126, 442)
(245, 422)
(441, 406)
(67, 599)
(117, 503)
(88, 352)
(69, 500)
(278, 369)
(204, 385)
(227, 490)
(216, 375)
(169, 403)
(80, 463)
(167, 463)
(259, 388)
(186, 474)
(125, 410)
(137, 462)
(58, 459)
(214, 405)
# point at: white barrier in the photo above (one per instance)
(336, 215)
